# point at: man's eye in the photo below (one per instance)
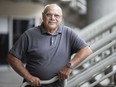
(57, 16)
(49, 15)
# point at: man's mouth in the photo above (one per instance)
(52, 22)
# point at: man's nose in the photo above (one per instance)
(53, 17)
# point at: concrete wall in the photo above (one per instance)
(20, 9)
(99, 8)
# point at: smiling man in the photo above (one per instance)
(48, 49)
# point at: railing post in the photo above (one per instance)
(112, 77)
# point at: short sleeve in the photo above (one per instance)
(19, 49)
(76, 42)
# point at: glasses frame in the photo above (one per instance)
(57, 16)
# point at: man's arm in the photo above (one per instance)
(79, 56)
(18, 66)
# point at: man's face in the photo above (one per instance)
(52, 18)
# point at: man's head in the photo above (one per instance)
(52, 17)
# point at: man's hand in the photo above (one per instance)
(18, 66)
(33, 81)
(64, 73)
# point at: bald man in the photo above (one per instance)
(48, 49)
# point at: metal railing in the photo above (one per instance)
(45, 82)
(96, 28)
(95, 69)
(99, 27)
(92, 71)
(104, 43)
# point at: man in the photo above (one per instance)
(48, 49)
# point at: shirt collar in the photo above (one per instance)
(59, 30)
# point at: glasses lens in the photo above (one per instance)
(50, 15)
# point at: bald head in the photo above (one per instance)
(52, 6)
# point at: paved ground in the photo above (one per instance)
(8, 77)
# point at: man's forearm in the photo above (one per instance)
(18, 66)
(80, 56)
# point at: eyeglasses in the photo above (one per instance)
(50, 15)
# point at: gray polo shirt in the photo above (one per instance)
(46, 54)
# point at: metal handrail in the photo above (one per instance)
(110, 42)
(99, 26)
(42, 82)
(97, 53)
(104, 41)
(101, 79)
(79, 78)
(46, 82)
(91, 31)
